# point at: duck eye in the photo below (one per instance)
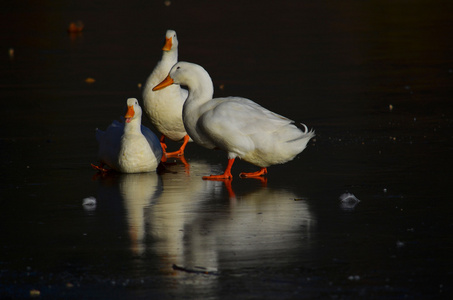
(178, 68)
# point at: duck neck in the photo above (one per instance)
(170, 57)
(200, 91)
(133, 127)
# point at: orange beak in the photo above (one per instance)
(166, 82)
(168, 44)
(129, 114)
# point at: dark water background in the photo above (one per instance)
(373, 78)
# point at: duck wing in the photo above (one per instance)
(246, 129)
(153, 142)
(110, 143)
(244, 117)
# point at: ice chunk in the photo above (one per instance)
(348, 200)
(89, 203)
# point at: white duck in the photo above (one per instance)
(129, 147)
(164, 108)
(237, 125)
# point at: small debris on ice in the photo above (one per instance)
(75, 27)
(354, 277)
(400, 244)
(196, 270)
(90, 80)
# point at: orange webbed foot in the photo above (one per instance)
(100, 168)
(180, 152)
(177, 153)
(261, 172)
(225, 175)
(218, 177)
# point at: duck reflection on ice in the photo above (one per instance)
(138, 191)
(135, 192)
(192, 223)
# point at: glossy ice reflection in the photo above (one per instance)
(195, 224)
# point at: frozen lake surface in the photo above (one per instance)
(375, 81)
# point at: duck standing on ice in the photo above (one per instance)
(164, 108)
(237, 125)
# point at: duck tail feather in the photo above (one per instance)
(301, 126)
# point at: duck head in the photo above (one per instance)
(171, 41)
(187, 74)
(133, 110)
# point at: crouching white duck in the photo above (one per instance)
(164, 108)
(129, 147)
(237, 125)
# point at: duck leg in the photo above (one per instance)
(181, 150)
(164, 146)
(162, 142)
(225, 175)
(261, 172)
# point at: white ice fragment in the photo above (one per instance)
(348, 200)
(348, 197)
(399, 244)
(89, 203)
